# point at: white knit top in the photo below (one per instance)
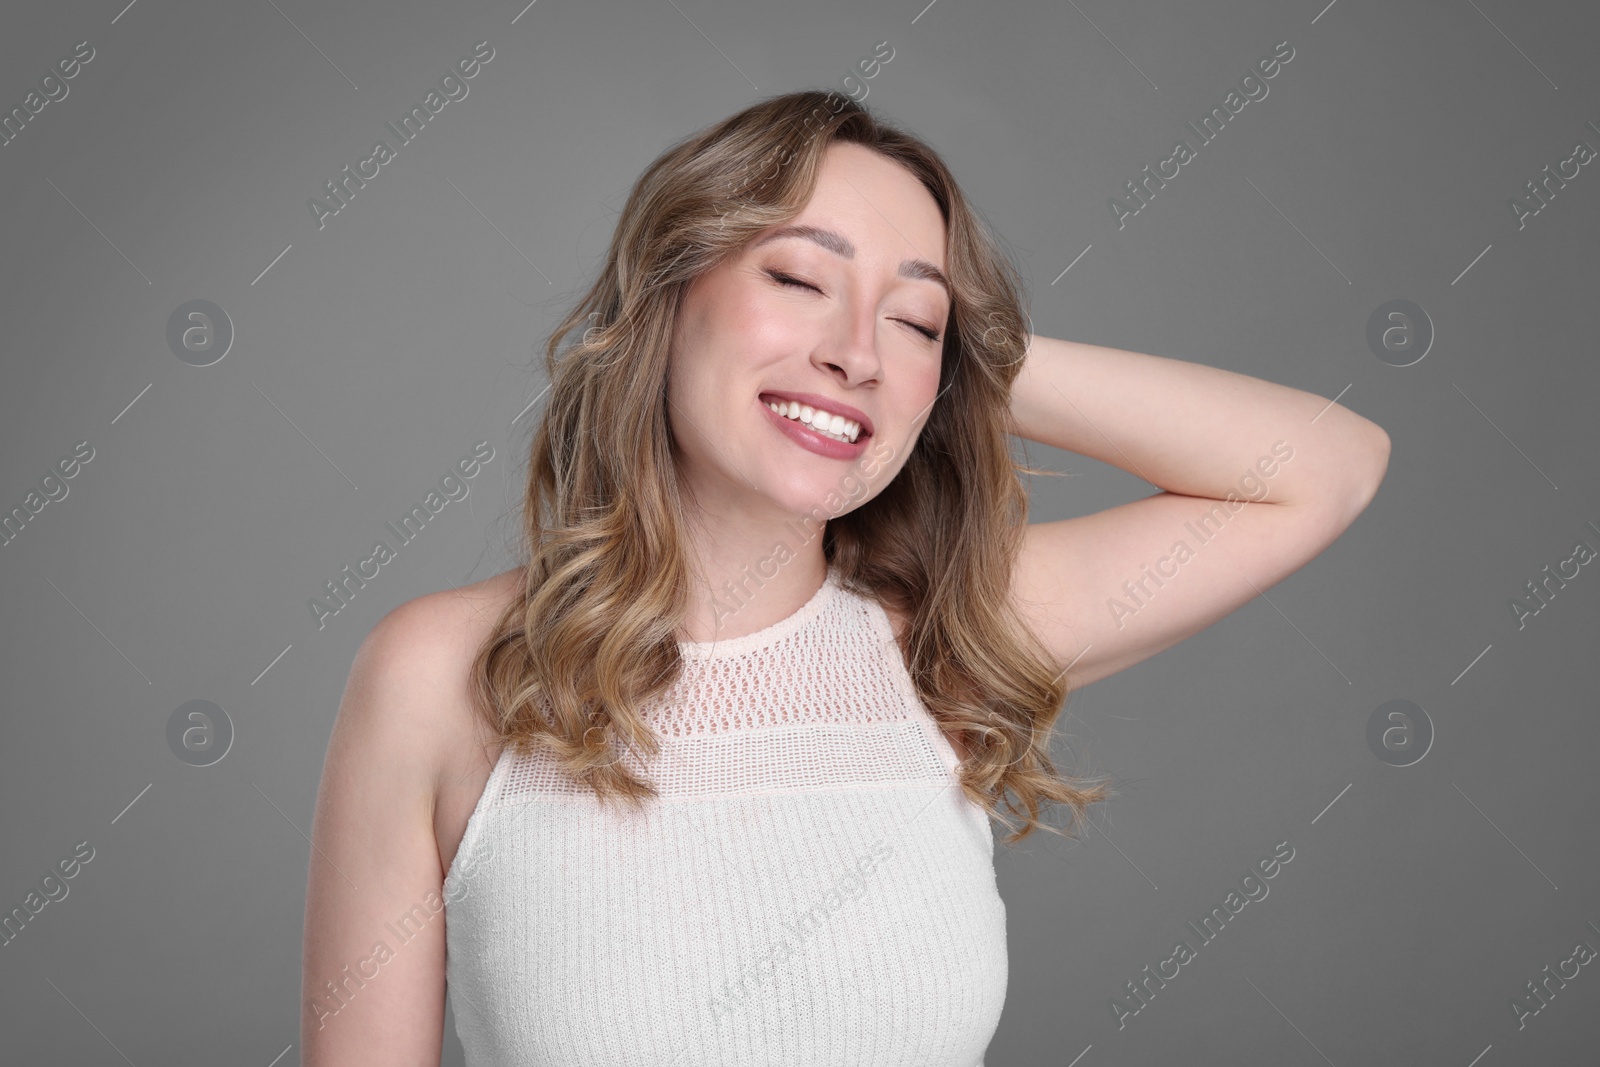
(811, 887)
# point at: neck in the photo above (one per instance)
(742, 584)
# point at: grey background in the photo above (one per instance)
(374, 352)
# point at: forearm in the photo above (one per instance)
(1189, 428)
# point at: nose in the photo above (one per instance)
(850, 346)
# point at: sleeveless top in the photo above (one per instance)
(811, 887)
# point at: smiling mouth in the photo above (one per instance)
(835, 427)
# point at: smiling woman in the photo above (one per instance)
(763, 836)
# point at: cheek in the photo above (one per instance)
(767, 330)
(927, 392)
(696, 347)
(741, 334)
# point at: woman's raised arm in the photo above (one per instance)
(1258, 479)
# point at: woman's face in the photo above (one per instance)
(857, 342)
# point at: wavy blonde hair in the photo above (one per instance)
(593, 634)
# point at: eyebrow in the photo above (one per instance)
(839, 245)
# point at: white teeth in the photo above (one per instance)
(835, 426)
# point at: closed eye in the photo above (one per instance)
(784, 279)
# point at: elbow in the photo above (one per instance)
(1378, 457)
(1367, 467)
(1347, 478)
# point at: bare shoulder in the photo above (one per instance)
(433, 639)
(403, 738)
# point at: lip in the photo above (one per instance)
(811, 440)
(813, 400)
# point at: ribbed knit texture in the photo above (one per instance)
(811, 887)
